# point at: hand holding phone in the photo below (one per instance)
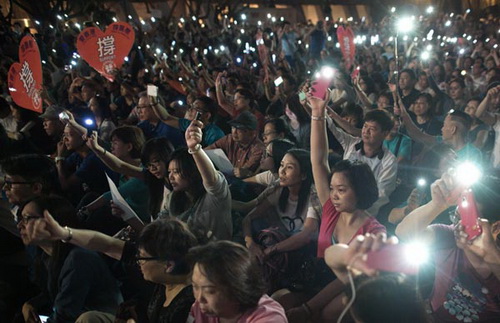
(152, 90)
(278, 81)
(469, 215)
(319, 88)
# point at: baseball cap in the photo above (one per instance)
(245, 120)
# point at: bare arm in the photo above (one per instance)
(344, 124)
(221, 97)
(298, 240)
(413, 131)
(48, 229)
(205, 166)
(163, 115)
(319, 149)
(113, 162)
(482, 110)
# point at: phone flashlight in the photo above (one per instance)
(278, 81)
(63, 116)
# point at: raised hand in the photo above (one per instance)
(193, 134)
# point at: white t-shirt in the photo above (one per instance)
(290, 220)
(265, 178)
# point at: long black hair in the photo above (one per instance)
(304, 160)
(180, 201)
(160, 148)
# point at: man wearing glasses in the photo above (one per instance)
(152, 126)
(25, 178)
(204, 108)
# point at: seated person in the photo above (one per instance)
(228, 286)
(276, 129)
(78, 280)
(126, 144)
(81, 172)
(160, 252)
(467, 270)
(242, 147)
(267, 173)
(291, 206)
(152, 126)
(207, 110)
(53, 126)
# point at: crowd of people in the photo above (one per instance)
(314, 184)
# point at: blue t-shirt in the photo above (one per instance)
(91, 172)
(469, 152)
(175, 136)
(211, 133)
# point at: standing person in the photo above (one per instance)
(288, 39)
(488, 112)
(228, 287)
(407, 91)
(317, 40)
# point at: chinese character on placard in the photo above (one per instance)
(106, 46)
(27, 77)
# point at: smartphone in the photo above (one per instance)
(319, 87)
(278, 81)
(469, 215)
(198, 116)
(43, 318)
(63, 116)
(152, 90)
(302, 96)
(355, 73)
(391, 258)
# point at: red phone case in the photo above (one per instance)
(319, 87)
(469, 215)
(392, 258)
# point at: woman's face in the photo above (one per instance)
(157, 167)
(211, 298)
(119, 148)
(471, 108)
(289, 172)
(383, 102)
(342, 193)
(267, 161)
(269, 133)
(94, 106)
(152, 270)
(27, 221)
(179, 183)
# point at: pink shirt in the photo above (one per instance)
(268, 310)
(329, 219)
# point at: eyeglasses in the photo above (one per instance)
(26, 219)
(139, 259)
(8, 184)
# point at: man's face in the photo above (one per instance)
(448, 128)
(18, 190)
(372, 133)
(242, 136)
(53, 127)
(87, 93)
(406, 82)
(198, 106)
(72, 139)
(455, 91)
(145, 110)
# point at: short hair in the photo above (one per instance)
(209, 105)
(281, 126)
(33, 168)
(391, 298)
(463, 119)
(460, 82)
(362, 180)
(231, 268)
(156, 146)
(356, 111)
(131, 135)
(168, 239)
(430, 102)
(410, 72)
(247, 94)
(381, 117)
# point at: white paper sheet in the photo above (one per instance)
(220, 160)
(120, 202)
